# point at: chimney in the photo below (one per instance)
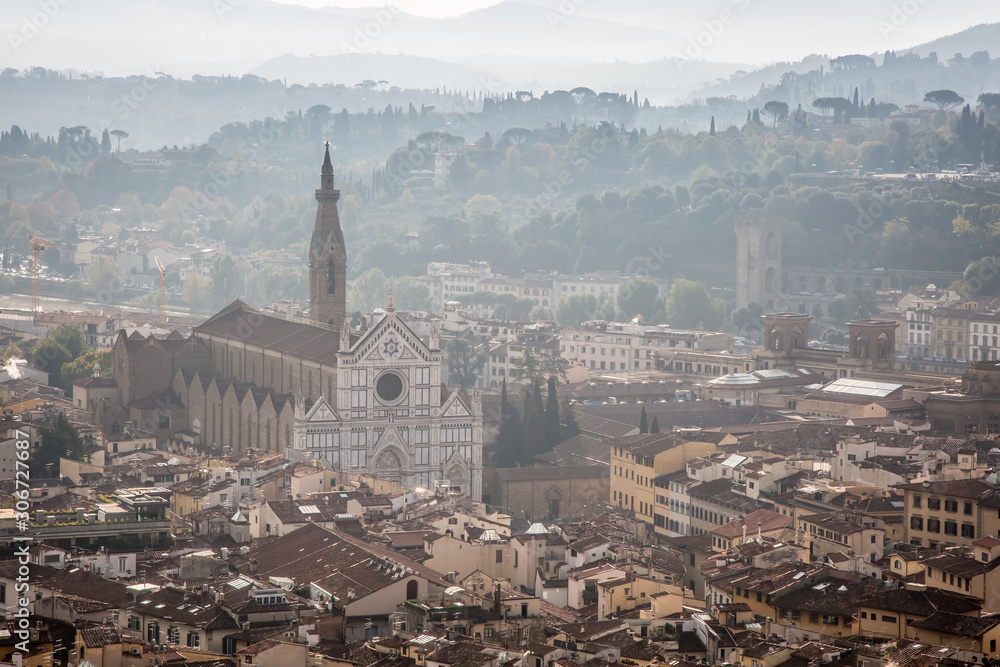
(252, 567)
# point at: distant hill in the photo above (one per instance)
(399, 70)
(982, 37)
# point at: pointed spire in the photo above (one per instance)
(327, 164)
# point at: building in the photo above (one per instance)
(945, 513)
(364, 401)
(390, 417)
(758, 262)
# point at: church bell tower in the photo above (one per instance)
(327, 256)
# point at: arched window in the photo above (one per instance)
(411, 589)
(331, 277)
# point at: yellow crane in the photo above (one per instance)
(163, 291)
(37, 245)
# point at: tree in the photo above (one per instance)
(509, 440)
(990, 100)
(527, 366)
(105, 280)
(690, 306)
(49, 357)
(640, 296)
(69, 336)
(464, 362)
(655, 426)
(517, 135)
(748, 317)
(944, 99)
(576, 309)
(570, 429)
(119, 134)
(83, 366)
(837, 105)
(711, 128)
(534, 424)
(775, 110)
(60, 440)
(553, 365)
(106, 143)
(838, 309)
(643, 422)
(552, 430)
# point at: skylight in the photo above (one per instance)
(309, 509)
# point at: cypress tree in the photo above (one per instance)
(643, 423)
(711, 129)
(551, 415)
(570, 429)
(534, 425)
(655, 426)
(509, 438)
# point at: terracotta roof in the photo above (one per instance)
(962, 488)
(919, 603)
(766, 520)
(957, 624)
(834, 598)
(333, 561)
(241, 322)
(100, 635)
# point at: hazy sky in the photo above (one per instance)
(432, 8)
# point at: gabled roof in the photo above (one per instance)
(919, 602)
(240, 321)
(335, 562)
(765, 520)
(957, 624)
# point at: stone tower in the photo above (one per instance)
(758, 261)
(327, 256)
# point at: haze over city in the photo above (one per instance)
(499, 333)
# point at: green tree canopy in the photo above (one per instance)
(690, 306)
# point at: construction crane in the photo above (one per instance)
(163, 291)
(37, 245)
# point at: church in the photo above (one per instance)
(367, 401)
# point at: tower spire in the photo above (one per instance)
(327, 254)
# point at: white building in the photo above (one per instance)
(390, 417)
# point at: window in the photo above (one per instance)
(916, 523)
(359, 398)
(933, 503)
(421, 436)
(193, 639)
(499, 555)
(174, 635)
(422, 455)
(968, 509)
(164, 423)
(421, 376)
(134, 623)
(916, 501)
(359, 458)
(359, 378)
(950, 528)
(950, 505)
(933, 526)
(968, 530)
(888, 619)
(488, 633)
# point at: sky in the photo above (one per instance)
(429, 8)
